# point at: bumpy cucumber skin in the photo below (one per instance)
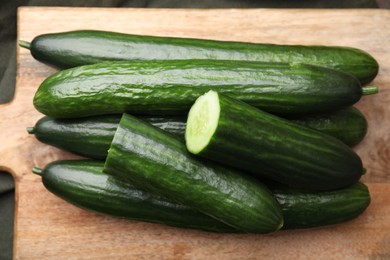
(275, 148)
(171, 87)
(82, 183)
(307, 209)
(75, 48)
(159, 163)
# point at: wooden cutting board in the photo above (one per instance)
(47, 227)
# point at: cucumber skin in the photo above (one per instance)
(348, 125)
(75, 48)
(171, 87)
(83, 183)
(275, 148)
(155, 161)
(308, 209)
(91, 137)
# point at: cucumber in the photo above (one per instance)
(75, 48)
(154, 160)
(83, 183)
(234, 133)
(348, 125)
(91, 136)
(171, 87)
(88, 137)
(304, 209)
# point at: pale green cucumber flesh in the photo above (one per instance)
(202, 121)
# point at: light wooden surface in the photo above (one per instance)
(48, 228)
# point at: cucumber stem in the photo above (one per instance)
(369, 90)
(30, 130)
(24, 44)
(37, 171)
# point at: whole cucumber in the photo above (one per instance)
(84, 184)
(91, 136)
(75, 48)
(171, 87)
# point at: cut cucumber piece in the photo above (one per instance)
(158, 162)
(234, 133)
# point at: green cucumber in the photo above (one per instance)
(171, 87)
(304, 209)
(91, 136)
(75, 48)
(156, 161)
(234, 133)
(83, 183)
(348, 125)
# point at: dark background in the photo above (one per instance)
(8, 10)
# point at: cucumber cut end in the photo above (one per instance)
(202, 122)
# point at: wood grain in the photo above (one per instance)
(49, 228)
